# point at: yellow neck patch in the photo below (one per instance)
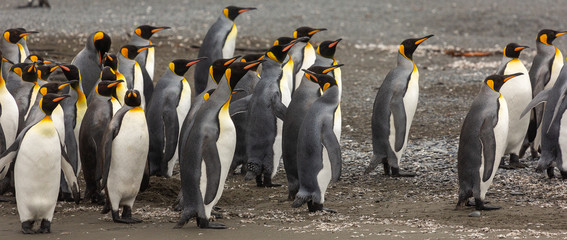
(206, 96)
(490, 84)
(543, 39)
(172, 67)
(98, 36)
(138, 32)
(295, 34)
(227, 73)
(18, 71)
(124, 52)
(272, 56)
(403, 51)
(211, 72)
(225, 12)
(326, 86)
(7, 36)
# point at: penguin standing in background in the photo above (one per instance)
(165, 115)
(394, 108)
(125, 147)
(303, 53)
(307, 93)
(482, 142)
(266, 111)
(14, 47)
(89, 60)
(518, 94)
(111, 61)
(26, 94)
(141, 38)
(319, 159)
(544, 72)
(9, 116)
(136, 76)
(219, 42)
(13, 81)
(96, 119)
(37, 169)
(208, 151)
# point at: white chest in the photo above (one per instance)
(555, 68)
(230, 43)
(150, 61)
(286, 83)
(184, 104)
(9, 117)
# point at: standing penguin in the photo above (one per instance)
(136, 76)
(483, 142)
(38, 163)
(125, 147)
(517, 93)
(110, 60)
(266, 112)
(14, 48)
(89, 60)
(166, 113)
(219, 42)
(208, 151)
(303, 53)
(26, 94)
(9, 116)
(96, 119)
(319, 159)
(141, 38)
(394, 107)
(543, 74)
(13, 81)
(307, 93)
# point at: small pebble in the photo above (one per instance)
(475, 214)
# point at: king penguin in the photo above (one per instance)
(543, 74)
(219, 42)
(125, 146)
(136, 76)
(111, 61)
(38, 164)
(14, 47)
(518, 94)
(89, 60)
(166, 113)
(13, 81)
(209, 150)
(482, 142)
(96, 119)
(303, 53)
(9, 116)
(26, 94)
(394, 108)
(319, 159)
(141, 38)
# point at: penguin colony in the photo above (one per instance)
(109, 121)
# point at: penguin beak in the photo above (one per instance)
(63, 85)
(310, 75)
(144, 48)
(193, 62)
(520, 48)
(108, 57)
(333, 44)
(55, 68)
(61, 98)
(113, 84)
(8, 61)
(66, 69)
(332, 68)
(27, 33)
(422, 39)
(231, 61)
(254, 63)
(246, 10)
(316, 31)
(560, 33)
(508, 77)
(159, 29)
(47, 62)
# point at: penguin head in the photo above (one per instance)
(26, 71)
(50, 101)
(283, 41)
(146, 31)
(70, 71)
(237, 70)
(107, 88)
(181, 66)
(208, 94)
(321, 70)
(101, 43)
(325, 81)
(252, 57)
(53, 87)
(408, 46)
(219, 66)
(512, 50)
(327, 48)
(546, 36)
(131, 51)
(132, 98)
(14, 35)
(44, 71)
(231, 12)
(279, 53)
(306, 32)
(108, 74)
(495, 82)
(36, 58)
(110, 60)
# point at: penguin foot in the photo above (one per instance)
(217, 208)
(106, 208)
(127, 220)
(318, 207)
(480, 205)
(27, 227)
(204, 223)
(217, 215)
(550, 172)
(45, 227)
(563, 175)
(513, 165)
(396, 173)
(472, 203)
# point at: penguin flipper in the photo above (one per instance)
(213, 169)
(334, 151)
(398, 111)
(148, 85)
(239, 106)
(106, 143)
(541, 97)
(171, 134)
(488, 146)
(278, 107)
(559, 105)
(70, 175)
(11, 153)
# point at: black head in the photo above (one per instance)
(27, 71)
(237, 70)
(231, 12)
(408, 46)
(325, 81)
(495, 82)
(512, 50)
(546, 36)
(53, 87)
(306, 32)
(219, 66)
(110, 60)
(36, 58)
(324, 69)
(131, 51)
(252, 57)
(208, 94)
(279, 53)
(101, 43)
(146, 31)
(107, 88)
(283, 41)
(14, 35)
(132, 98)
(70, 71)
(108, 74)
(181, 66)
(327, 48)
(44, 71)
(50, 101)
